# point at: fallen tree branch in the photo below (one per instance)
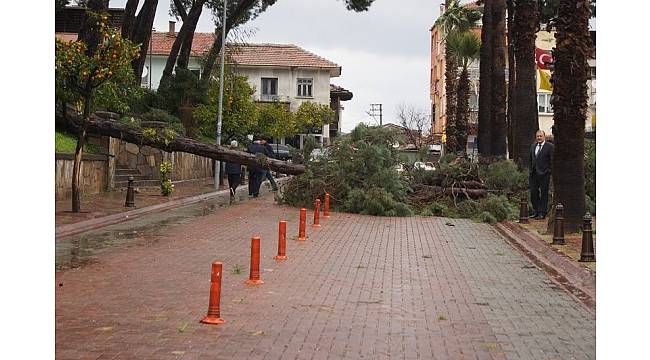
(454, 191)
(99, 126)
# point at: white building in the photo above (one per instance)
(284, 73)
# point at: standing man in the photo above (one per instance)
(255, 173)
(267, 173)
(234, 173)
(541, 156)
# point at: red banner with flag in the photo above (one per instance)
(543, 58)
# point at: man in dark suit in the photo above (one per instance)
(541, 157)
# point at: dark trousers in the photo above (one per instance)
(255, 179)
(268, 175)
(539, 192)
(233, 181)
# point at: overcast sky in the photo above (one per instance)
(384, 52)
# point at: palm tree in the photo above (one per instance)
(498, 83)
(456, 18)
(524, 113)
(485, 83)
(464, 48)
(569, 100)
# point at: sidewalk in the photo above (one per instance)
(359, 287)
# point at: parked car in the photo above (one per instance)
(281, 152)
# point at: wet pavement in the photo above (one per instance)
(359, 287)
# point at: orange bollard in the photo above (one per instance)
(254, 278)
(303, 224)
(214, 311)
(316, 213)
(282, 241)
(326, 210)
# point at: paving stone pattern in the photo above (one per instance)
(360, 287)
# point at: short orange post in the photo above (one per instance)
(254, 278)
(214, 311)
(282, 241)
(316, 213)
(326, 210)
(303, 224)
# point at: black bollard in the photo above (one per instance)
(523, 211)
(558, 229)
(130, 196)
(587, 253)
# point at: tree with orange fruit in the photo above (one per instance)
(81, 69)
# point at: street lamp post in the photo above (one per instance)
(217, 165)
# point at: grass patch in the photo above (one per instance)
(66, 144)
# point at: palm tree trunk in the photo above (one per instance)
(573, 47)
(498, 120)
(462, 110)
(524, 122)
(485, 83)
(512, 65)
(450, 93)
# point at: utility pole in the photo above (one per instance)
(374, 109)
(217, 164)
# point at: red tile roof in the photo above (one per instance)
(247, 54)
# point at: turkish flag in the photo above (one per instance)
(543, 58)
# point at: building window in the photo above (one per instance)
(144, 80)
(196, 72)
(269, 87)
(544, 103)
(593, 72)
(304, 87)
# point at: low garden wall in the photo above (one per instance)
(147, 160)
(94, 174)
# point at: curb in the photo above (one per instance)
(578, 281)
(96, 223)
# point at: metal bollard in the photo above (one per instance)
(214, 309)
(302, 225)
(587, 252)
(130, 195)
(523, 210)
(254, 278)
(558, 229)
(282, 241)
(326, 210)
(316, 213)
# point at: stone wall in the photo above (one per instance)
(94, 173)
(147, 160)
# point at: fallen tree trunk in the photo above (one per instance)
(439, 190)
(98, 126)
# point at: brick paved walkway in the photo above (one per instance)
(360, 287)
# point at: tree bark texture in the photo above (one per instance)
(462, 110)
(485, 83)
(451, 73)
(512, 77)
(128, 22)
(96, 125)
(183, 39)
(524, 115)
(498, 85)
(573, 47)
(141, 34)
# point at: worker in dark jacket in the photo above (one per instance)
(255, 173)
(233, 170)
(267, 173)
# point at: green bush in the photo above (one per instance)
(65, 143)
(468, 208)
(504, 175)
(426, 212)
(590, 205)
(590, 169)
(499, 206)
(486, 217)
(438, 209)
